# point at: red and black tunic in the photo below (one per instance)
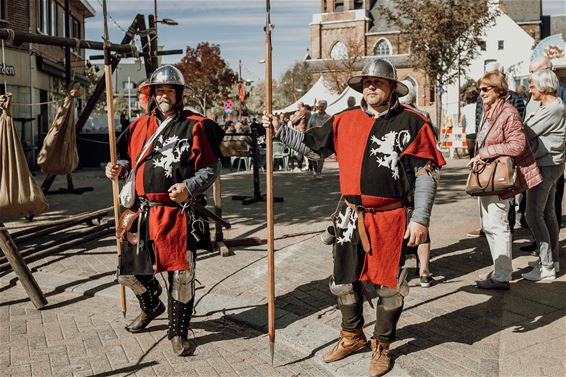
(371, 153)
(188, 143)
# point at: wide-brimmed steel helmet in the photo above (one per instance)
(167, 75)
(382, 68)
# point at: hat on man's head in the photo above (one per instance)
(381, 68)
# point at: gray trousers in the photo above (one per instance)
(541, 215)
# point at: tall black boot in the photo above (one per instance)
(179, 321)
(150, 304)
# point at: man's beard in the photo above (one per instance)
(376, 101)
(165, 107)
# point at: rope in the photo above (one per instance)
(4, 65)
(77, 43)
(11, 36)
(113, 20)
(57, 222)
(37, 103)
(93, 141)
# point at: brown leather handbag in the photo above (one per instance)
(495, 177)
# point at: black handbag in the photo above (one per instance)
(136, 260)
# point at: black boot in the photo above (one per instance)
(179, 321)
(151, 307)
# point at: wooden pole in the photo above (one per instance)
(19, 37)
(21, 269)
(269, 188)
(112, 141)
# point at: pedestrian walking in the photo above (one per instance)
(423, 250)
(380, 141)
(317, 120)
(175, 156)
(501, 133)
(546, 133)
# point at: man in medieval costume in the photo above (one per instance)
(175, 157)
(388, 161)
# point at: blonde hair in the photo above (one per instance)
(497, 81)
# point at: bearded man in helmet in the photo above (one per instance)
(388, 163)
(175, 155)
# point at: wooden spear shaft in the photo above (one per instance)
(269, 190)
(112, 141)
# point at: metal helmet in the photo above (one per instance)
(167, 75)
(382, 68)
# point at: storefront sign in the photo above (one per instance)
(7, 70)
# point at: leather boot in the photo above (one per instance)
(380, 358)
(182, 347)
(142, 320)
(150, 310)
(349, 342)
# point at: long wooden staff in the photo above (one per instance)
(112, 140)
(269, 189)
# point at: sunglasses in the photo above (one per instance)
(485, 89)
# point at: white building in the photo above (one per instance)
(506, 43)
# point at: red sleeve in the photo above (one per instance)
(424, 146)
(202, 153)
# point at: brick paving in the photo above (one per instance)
(450, 329)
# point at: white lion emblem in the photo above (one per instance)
(170, 152)
(388, 149)
(347, 222)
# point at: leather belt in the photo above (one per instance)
(360, 210)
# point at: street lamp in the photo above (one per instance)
(168, 21)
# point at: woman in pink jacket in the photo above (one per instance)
(501, 133)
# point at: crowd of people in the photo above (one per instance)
(386, 139)
(532, 130)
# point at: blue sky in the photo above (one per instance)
(236, 25)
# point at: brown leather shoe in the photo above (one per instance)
(349, 342)
(144, 319)
(380, 358)
(182, 347)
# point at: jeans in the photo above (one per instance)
(541, 215)
(495, 224)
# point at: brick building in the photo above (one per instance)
(36, 73)
(343, 22)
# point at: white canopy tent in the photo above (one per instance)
(320, 90)
(341, 102)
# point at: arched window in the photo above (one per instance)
(382, 47)
(339, 51)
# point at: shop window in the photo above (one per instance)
(52, 18)
(60, 21)
(3, 9)
(75, 28)
(382, 48)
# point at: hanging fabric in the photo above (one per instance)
(59, 154)
(20, 195)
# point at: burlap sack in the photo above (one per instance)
(20, 195)
(59, 154)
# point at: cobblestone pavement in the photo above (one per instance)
(450, 329)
